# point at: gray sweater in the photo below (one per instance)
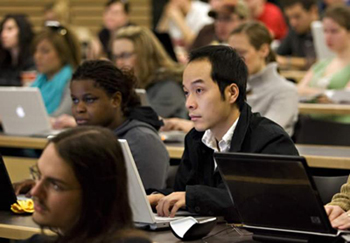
(167, 99)
(273, 97)
(149, 152)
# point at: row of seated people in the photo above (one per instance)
(164, 69)
(268, 92)
(66, 200)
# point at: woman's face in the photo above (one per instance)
(254, 59)
(124, 54)
(10, 34)
(46, 58)
(57, 194)
(92, 106)
(337, 37)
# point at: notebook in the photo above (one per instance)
(275, 196)
(8, 196)
(142, 212)
(22, 112)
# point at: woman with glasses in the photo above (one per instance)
(16, 36)
(56, 55)
(81, 189)
(137, 48)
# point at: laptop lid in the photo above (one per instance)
(321, 48)
(8, 196)
(141, 209)
(143, 97)
(274, 192)
(22, 111)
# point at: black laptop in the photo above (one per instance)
(7, 194)
(276, 197)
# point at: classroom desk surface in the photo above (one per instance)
(297, 75)
(325, 109)
(22, 227)
(334, 157)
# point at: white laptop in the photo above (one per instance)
(143, 97)
(142, 212)
(321, 48)
(22, 112)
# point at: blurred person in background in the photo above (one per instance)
(227, 16)
(268, 92)
(16, 59)
(115, 16)
(270, 15)
(59, 11)
(137, 48)
(56, 55)
(331, 73)
(297, 50)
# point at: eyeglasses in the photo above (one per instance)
(50, 184)
(123, 55)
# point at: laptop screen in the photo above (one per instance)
(272, 191)
(7, 193)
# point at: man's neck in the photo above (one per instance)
(221, 129)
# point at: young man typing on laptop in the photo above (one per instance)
(214, 82)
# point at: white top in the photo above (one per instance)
(196, 18)
(224, 144)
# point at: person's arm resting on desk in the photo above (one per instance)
(338, 210)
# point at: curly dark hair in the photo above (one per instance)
(111, 79)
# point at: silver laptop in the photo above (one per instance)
(22, 112)
(321, 48)
(142, 212)
(143, 97)
(275, 196)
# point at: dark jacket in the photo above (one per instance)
(205, 191)
(149, 152)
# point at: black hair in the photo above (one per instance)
(227, 67)
(306, 4)
(97, 160)
(25, 38)
(111, 79)
(125, 3)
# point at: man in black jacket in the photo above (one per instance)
(214, 82)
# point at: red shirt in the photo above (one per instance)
(274, 20)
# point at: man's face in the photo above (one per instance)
(115, 16)
(57, 195)
(207, 108)
(225, 24)
(299, 18)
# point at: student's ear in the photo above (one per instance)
(264, 50)
(117, 99)
(232, 93)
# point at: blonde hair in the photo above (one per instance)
(65, 43)
(153, 63)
